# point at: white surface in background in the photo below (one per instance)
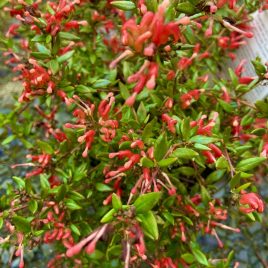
(256, 47)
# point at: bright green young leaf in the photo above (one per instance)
(250, 163)
(149, 224)
(146, 202)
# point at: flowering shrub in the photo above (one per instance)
(132, 131)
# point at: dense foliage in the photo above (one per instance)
(137, 138)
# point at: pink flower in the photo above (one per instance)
(252, 202)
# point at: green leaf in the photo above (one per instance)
(8, 139)
(184, 153)
(1, 223)
(72, 205)
(229, 258)
(215, 176)
(60, 194)
(202, 139)
(68, 36)
(250, 163)
(262, 106)
(188, 257)
(166, 162)
(247, 120)
(101, 83)
(21, 224)
(243, 187)
(43, 49)
(108, 216)
(226, 106)
(33, 206)
(75, 229)
(141, 113)
(116, 201)
(124, 5)
(235, 180)
(45, 185)
(148, 131)
(186, 8)
(75, 195)
(65, 56)
(124, 91)
(259, 131)
(251, 216)
(146, 202)
(146, 162)
(201, 147)
(85, 89)
(168, 216)
(222, 163)
(187, 171)
(103, 187)
(45, 147)
(149, 224)
(20, 182)
(3, 3)
(260, 68)
(40, 55)
(200, 256)
(185, 129)
(161, 147)
(205, 195)
(53, 65)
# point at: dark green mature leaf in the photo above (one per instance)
(141, 113)
(149, 224)
(185, 129)
(45, 147)
(53, 65)
(22, 224)
(124, 91)
(235, 180)
(166, 162)
(146, 202)
(215, 176)
(184, 153)
(226, 106)
(65, 56)
(148, 131)
(68, 36)
(146, 162)
(161, 147)
(186, 8)
(249, 164)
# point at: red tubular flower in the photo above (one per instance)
(151, 32)
(105, 105)
(187, 98)
(216, 150)
(252, 202)
(170, 123)
(209, 156)
(88, 137)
